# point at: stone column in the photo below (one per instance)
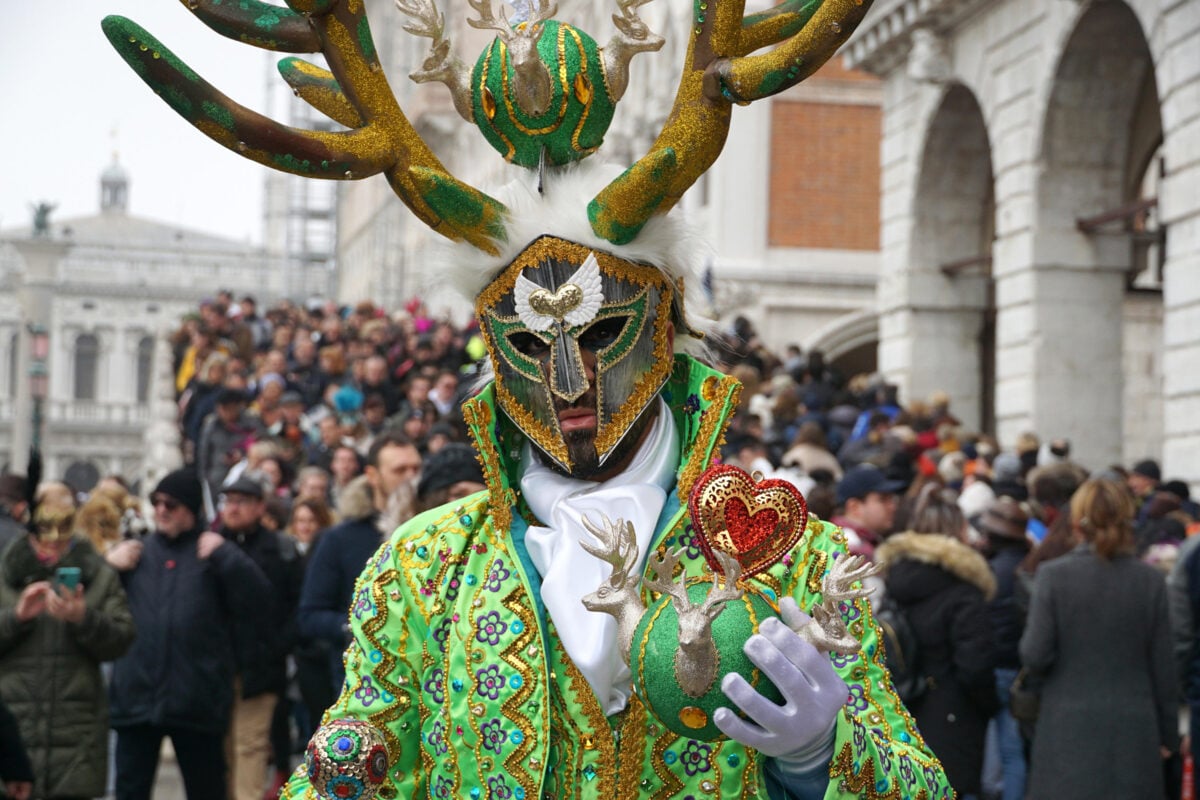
(41, 257)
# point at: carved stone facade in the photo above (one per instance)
(107, 289)
(1040, 222)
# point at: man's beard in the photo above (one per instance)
(581, 445)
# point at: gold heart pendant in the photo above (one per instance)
(557, 304)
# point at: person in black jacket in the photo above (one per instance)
(264, 639)
(1003, 526)
(944, 585)
(186, 589)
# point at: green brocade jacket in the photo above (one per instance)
(455, 660)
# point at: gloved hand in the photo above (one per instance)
(798, 733)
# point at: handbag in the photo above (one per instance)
(1023, 698)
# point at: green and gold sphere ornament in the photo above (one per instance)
(677, 664)
(346, 759)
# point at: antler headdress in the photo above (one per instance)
(523, 107)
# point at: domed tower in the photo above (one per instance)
(114, 188)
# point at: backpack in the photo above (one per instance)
(901, 649)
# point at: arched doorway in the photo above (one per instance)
(1095, 235)
(950, 259)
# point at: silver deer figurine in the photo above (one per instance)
(695, 662)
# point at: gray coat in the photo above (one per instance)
(1099, 632)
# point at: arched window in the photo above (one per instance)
(14, 348)
(87, 356)
(145, 363)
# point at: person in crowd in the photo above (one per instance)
(344, 467)
(188, 591)
(312, 483)
(313, 683)
(99, 519)
(225, 438)
(867, 501)
(1098, 635)
(376, 381)
(14, 506)
(16, 772)
(810, 451)
(1005, 544)
(444, 394)
(1143, 481)
(329, 439)
(341, 551)
(944, 587)
(62, 613)
(1052, 489)
(264, 642)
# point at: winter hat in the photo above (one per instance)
(184, 486)
(1005, 519)
(1006, 468)
(1148, 469)
(453, 463)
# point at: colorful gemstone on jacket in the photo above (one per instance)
(346, 760)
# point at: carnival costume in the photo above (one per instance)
(483, 664)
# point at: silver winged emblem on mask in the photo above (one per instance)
(574, 303)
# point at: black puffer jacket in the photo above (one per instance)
(50, 670)
(266, 637)
(944, 586)
(181, 669)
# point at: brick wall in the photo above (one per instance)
(825, 187)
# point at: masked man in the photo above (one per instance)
(472, 655)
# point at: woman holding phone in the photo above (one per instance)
(62, 613)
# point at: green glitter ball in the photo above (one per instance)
(653, 658)
(580, 108)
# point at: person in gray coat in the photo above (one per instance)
(1098, 633)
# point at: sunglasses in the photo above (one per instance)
(170, 504)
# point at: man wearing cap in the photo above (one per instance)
(186, 590)
(264, 638)
(868, 502)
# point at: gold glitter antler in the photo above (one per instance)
(354, 92)
(718, 72)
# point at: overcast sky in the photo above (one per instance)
(68, 102)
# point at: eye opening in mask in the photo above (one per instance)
(529, 344)
(603, 332)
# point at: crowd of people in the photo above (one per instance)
(310, 433)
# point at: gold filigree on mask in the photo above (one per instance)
(53, 525)
(556, 304)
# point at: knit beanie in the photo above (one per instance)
(453, 463)
(184, 486)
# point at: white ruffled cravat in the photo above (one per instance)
(569, 572)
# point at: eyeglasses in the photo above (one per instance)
(170, 504)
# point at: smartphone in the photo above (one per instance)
(67, 577)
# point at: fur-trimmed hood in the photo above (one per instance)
(944, 552)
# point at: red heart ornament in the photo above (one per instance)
(757, 522)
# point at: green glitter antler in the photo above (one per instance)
(354, 92)
(718, 72)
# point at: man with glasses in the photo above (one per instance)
(186, 589)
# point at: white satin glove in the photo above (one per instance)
(799, 734)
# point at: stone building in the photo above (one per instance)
(1041, 216)
(105, 287)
